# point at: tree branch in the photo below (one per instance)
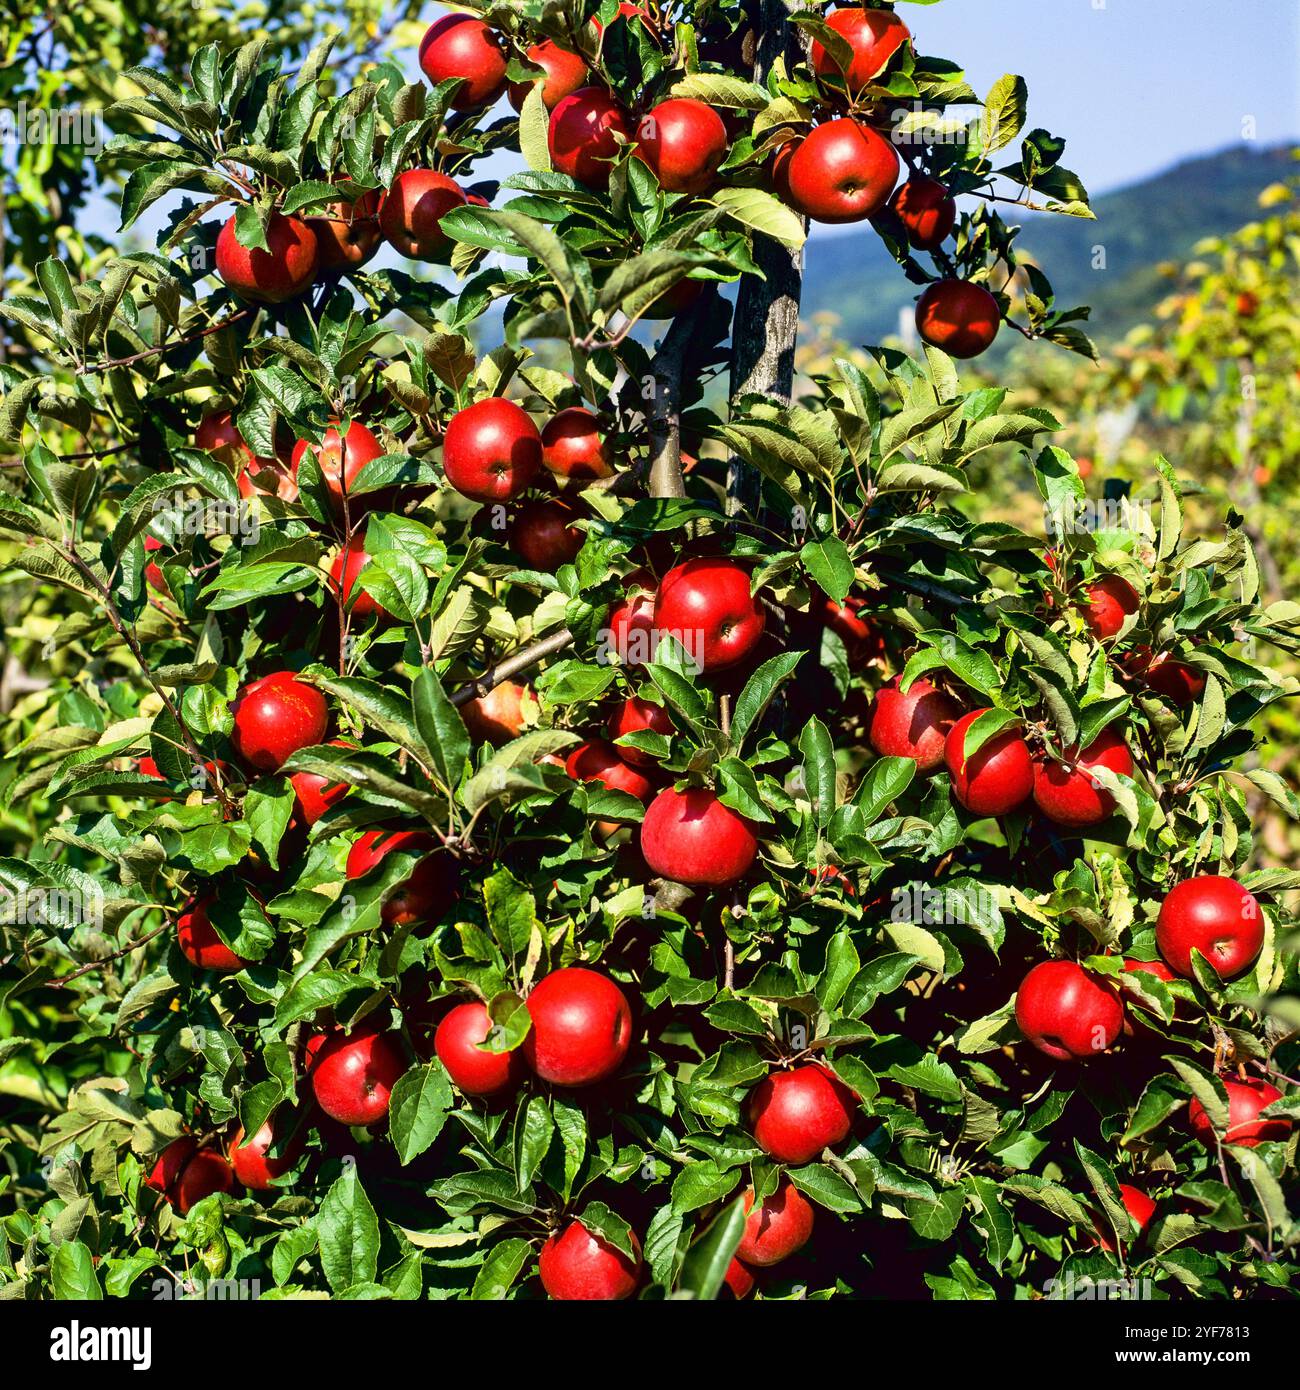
(666, 410)
(521, 661)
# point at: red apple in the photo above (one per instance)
(185, 1174)
(1110, 600)
(565, 73)
(582, 1027)
(1066, 1012)
(683, 141)
(216, 434)
(633, 716)
(1066, 793)
(544, 535)
(794, 1115)
(1245, 1129)
(707, 605)
(275, 717)
(353, 1075)
(340, 459)
(739, 1280)
(675, 300)
(958, 317)
(459, 45)
(153, 576)
(862, 639)
(410, 216)
(348, 564)
(691, 837)
(577, 1266)
(281, 272)
(999, 778)
(775, 1230)
(629, 631)
(1213, 915)
(473, 1070)
(912, 725)
(927, 211)
(198, 939)
(1175, 680)
(251, 1159)
(347, 232)
(492, 450)
(583, 135)
(841, 172)
(434, 884)
(500, 715)
(313, 794)
(597, 761)
(572, 446)
(1138, 1205)
(874, 36)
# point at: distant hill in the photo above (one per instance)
(1158, 220)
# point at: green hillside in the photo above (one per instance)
(1160, 219)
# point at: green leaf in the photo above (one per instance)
(1004, 113)
(72, 1272)
(704, 1270)
(764, 212)
(418, 1110)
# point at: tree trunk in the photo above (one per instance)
(767, 311)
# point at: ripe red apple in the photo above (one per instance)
(1109, 600)
(958, 317)
(582, 1027)
(597, 761)
(912, 725)
(500, 715)
(707, 605)
(874, 36)
(578, 1266)
(458, 45)
(474, 1071)
(353, 1074)
(275, 717)
(1066, 793)
(862, 639)
(185, 1174)
(198, 939)
(492, 450)
(1245, 1129)
(565, 73)
(691, 837)
(572, 446)
(1066, 1012)
(544, 535)
(841, 172)
(629, 631)
(340, 459)
(794, 1115)
(1175, 680)
(633, 716)
(313, 795)
(683, 141)
(739, 1280)
(998, 778)
(281, 272)
(251, 1159)
(927, 211)
(675, 300)
(347, 232)
(582, 136)
(777, 1228)
(348, 564)
(153, 576)
(1213, 915)
(1138, 1205)
(1150, 967)
(410, 216)
(216, 434)
(427, 894)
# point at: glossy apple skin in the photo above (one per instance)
(998, 779)
(582, 135)
(544, 536)
(776, 1229)
(795, 1115)
(738, 1279)
(597, 761)
(341, 459)
(683, 141)
(217, 435)
(862, 639)
(1216, 916)
(154, 577)
(582, 1027)
(427, 895)
(572, 446)
(498, 716)
(198, 939)
(566, 73)
(927, 211)
(633, 716)
(185, 1174)
(475, 1072)
(251, 1160)
(1138, 1205)
(458, 45)
(630, 625)
(1065, 792)
(275, 717)
(577, 1266)
(1108, 601)
(410, 216)
(280, 273)
(841, 172)
(353, 1075)
(314, 795)
(1067, 1013)
(873, 35)
(958, 318)
(492, 451)
(1245, 1129)
(1175, 680)
(348, 564)
(690, 837)
(347, 233)
(707, 605)
(912, 725)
